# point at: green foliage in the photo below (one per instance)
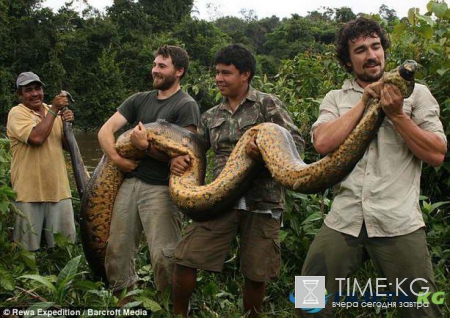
(165, 14)
(103, 91)
(436, 216)
(7, 96)
(7, 196)
(202, 39)
(428, 43)
(201, 86)
(125, 13)
(251, 32)
(57, 289)
(297, 34)
(103, 58)
(301, 84)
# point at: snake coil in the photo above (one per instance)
(202, 202)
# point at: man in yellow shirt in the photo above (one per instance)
(38, 170)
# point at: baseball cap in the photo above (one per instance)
(26, 78)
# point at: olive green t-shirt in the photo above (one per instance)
(179, 109)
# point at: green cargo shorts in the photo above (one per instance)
(206, 245)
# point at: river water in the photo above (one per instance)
(89, 148)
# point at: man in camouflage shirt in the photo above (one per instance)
(256, 217)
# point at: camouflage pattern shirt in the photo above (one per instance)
(222, 129)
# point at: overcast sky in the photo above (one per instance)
(279, 8)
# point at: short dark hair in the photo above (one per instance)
(179, 56)
(352, 30)
(239, 56)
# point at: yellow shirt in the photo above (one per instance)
(38, 173)
(384, 187)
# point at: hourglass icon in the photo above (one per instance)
(310, 285)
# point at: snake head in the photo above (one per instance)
(408, 69)
(403, 77)
(67, 94)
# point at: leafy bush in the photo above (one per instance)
(61, 277)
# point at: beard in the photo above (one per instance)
(164, 82)
(368, 77)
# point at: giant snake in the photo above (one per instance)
(202, 202)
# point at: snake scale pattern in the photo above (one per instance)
(203, 202)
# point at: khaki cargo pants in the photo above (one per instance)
(140, 207)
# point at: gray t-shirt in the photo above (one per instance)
(179, 109)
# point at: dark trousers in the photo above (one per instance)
(399, 259)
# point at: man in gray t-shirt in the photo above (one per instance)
(179, 109)
(143, 202)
